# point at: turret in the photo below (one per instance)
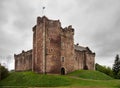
(69, 30)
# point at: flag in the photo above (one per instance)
(43, 7)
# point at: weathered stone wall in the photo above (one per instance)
(23, 61)
(90, 60)
(79, 59)
(38, 45)
(46, 46)
(85, 58)
(67, 49)
(53, 46)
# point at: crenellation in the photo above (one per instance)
(39, 20)
(68, 30)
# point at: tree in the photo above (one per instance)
(104, 69)
(0, 71)
(118, 75)
(116, 65)
(3, 72)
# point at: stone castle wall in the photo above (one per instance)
(23, 61)
(84, 57)
(67, 49)
(79, 60)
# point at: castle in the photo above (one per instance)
(54, 50)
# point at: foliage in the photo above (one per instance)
(3, 72)
(116, 67)
(89, 74)
(104, 69)
(118, 75)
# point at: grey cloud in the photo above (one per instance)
(100, 28)
(15, 27)
(3, 13)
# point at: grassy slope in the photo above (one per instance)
(89, 74)
(33, 79)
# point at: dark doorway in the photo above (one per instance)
(62, 71)
(85, 67)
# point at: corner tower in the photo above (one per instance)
(67, 50)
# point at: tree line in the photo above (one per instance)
(114, 71)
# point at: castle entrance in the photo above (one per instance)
(62, 71)
(85, 67)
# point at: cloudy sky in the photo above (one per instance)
(96, 23)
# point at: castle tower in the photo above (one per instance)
(46, 46)
(67, 50)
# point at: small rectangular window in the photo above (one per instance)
(62, 59)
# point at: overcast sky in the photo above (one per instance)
(96, 23)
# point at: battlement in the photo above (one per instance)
(53, 23)
(44, 19)
(68, 30)
(29, 52)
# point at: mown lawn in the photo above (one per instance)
(31, 79)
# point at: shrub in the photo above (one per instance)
(3, 72)
(104, 69)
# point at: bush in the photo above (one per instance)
(3, 72)
(104, 69)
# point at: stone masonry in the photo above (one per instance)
(23, 61)
(54, 51)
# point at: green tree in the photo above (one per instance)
(0, 71)
(3, 72)
(116, 66)
(118, 75)
(104, 69)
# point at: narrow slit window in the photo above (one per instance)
(62, 59)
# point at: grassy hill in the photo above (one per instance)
(89, 74)
(74, 79)
(33, 79)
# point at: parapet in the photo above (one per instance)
(68, 29)
(45, 19)
(29, 52)
(41, 19)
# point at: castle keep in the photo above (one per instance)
(54, 50)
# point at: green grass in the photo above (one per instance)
(31, 79)
(89, 74)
